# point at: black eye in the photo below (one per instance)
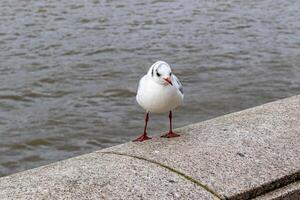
(158, 74)
(170, 74)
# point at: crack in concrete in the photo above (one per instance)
(189, 178)
(255, 192)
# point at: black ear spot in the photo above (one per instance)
(157, 74)
(152, 73)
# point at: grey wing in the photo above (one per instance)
(178, 84)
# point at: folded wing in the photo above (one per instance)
(177, 84)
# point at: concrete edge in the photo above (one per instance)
(291, 191)
(270, 187)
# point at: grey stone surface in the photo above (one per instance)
(240, 155)
(248, 154)
(289, 192)
(100, 176)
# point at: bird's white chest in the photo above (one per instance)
(158, 98)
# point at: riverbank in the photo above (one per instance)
(249, 154)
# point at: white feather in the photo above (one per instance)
(156, 97)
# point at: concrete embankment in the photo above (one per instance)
(249, 154)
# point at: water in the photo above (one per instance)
(69, 69)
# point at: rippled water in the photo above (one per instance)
(69, 69)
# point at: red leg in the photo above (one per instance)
(144, 135)
(170, 134)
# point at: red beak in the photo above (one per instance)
(168, 79)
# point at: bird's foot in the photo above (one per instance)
(142, 138)
(170, 134)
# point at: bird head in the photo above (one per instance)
(161, 73)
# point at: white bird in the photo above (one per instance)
(159, 91)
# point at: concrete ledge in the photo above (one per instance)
(99, 176)
(291, 191)
(253, 153)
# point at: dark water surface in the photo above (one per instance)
(69, 69)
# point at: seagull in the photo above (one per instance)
(159, 91)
